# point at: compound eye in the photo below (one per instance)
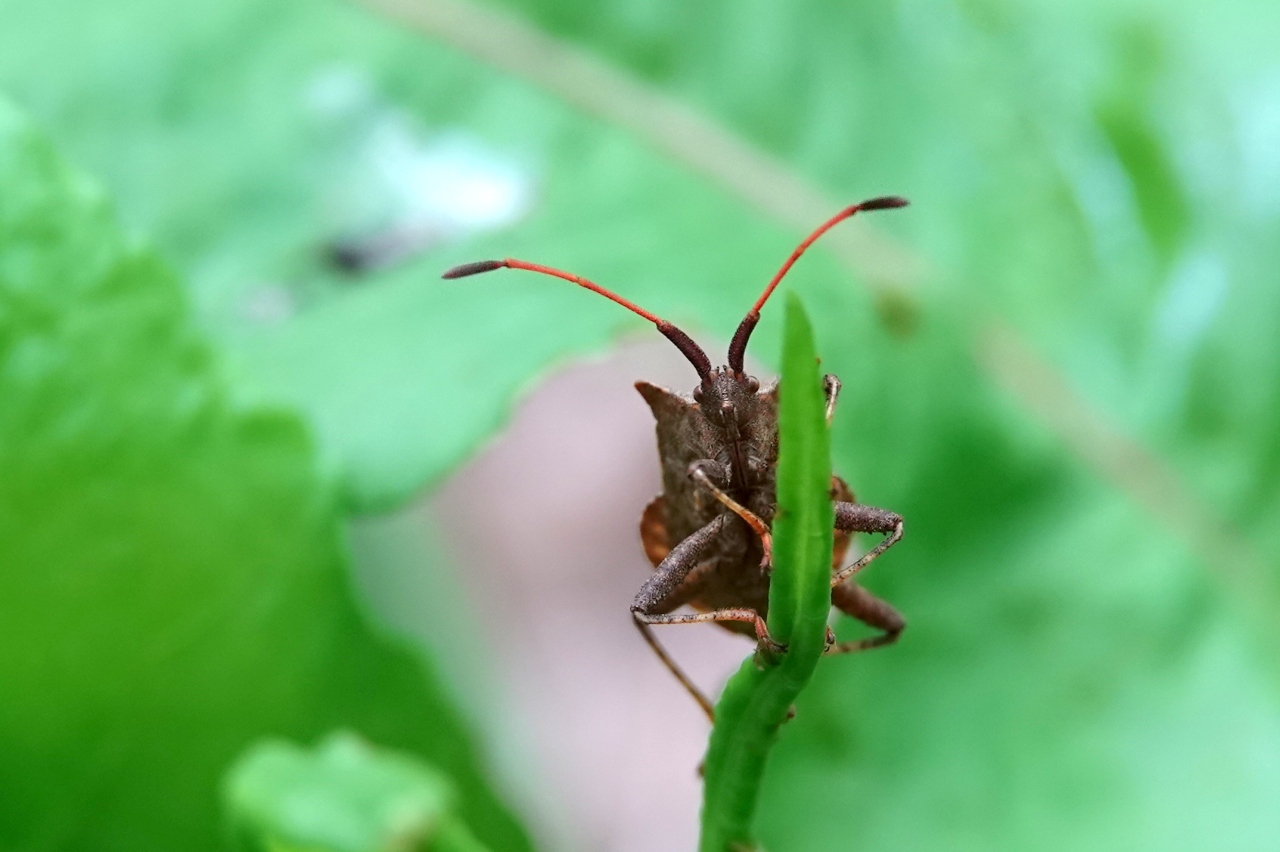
(697, 394)
(752, 384)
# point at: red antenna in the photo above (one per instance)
(683, 342)
(738, 346)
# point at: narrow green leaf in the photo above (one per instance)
(758, 698)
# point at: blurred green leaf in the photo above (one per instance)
(758, 699)
(247, 170)
(173, 581)
(345, 796)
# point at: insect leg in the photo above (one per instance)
(852, 599)
(654, 596)
(831, 388)
(855, 517)
(661, 592)
(670, 573)
(685, 681)
(750, 616)
(698, 470)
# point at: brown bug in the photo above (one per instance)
(708, 533)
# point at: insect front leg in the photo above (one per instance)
(703, 472)
(853, 600)
(854, 517)
(745, 614)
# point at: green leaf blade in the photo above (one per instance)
(803, 528)
(758, 699)
(173, 583)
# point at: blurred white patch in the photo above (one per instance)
(1257, 112)
(1105, 195)
(270, 304)
(1193, 298)
(340, 91)
(453, 180)
(397, 187)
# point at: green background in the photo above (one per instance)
(1073, 395)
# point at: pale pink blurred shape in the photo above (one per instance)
(542, 528)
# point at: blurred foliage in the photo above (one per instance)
(1103, 177)
(173, 580)
(346, 796)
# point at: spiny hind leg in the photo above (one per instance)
(855, 601)
(854, 517)
(662, 592)
(667, 589)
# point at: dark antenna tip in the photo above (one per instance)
(884, 202)
(474, 268)
(738, 346)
